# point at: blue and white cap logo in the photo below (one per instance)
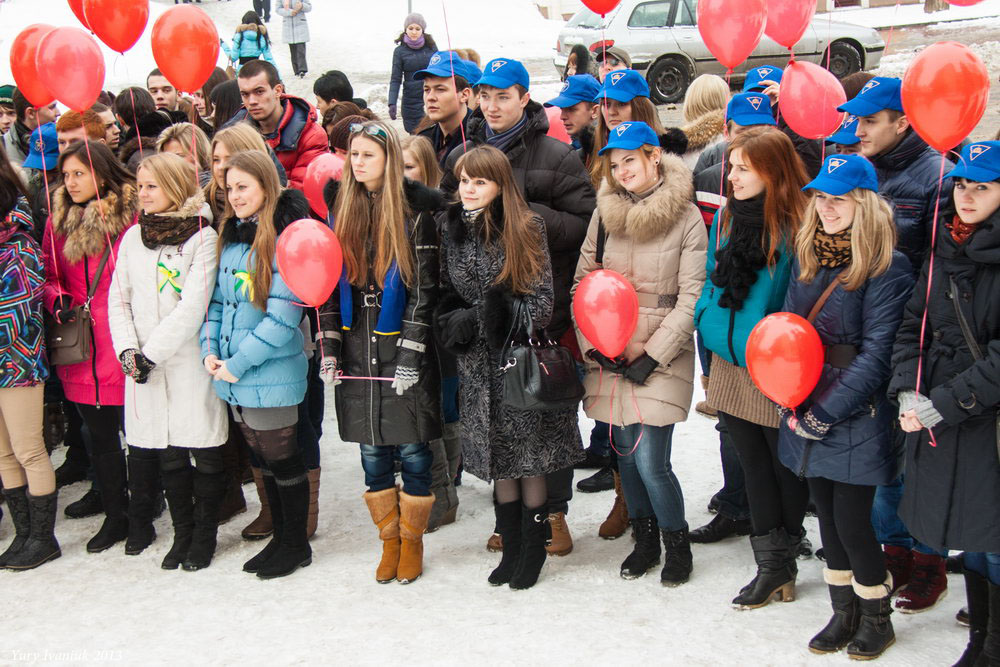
(763, 72)
(848, 121)
(835, 164)
(621, 129)
(435, 59)
(976, 150)
(497, 64)
(755, 102)
(565, 87)
(868, 86)
(616, 77)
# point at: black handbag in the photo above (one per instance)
(538, 374)
(72, 342)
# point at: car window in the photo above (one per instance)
(685, 14)
(651, 14)
(585, 19)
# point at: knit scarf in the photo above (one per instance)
(504, 139)
(739, 262)
(161, 230)
(960, 231)
(832, 250)
(415, 44)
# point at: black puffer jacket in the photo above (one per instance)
(556, 186)
(951, 499)
(908, 179)
(370, 412)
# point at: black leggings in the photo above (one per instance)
(104, 424)
(849, 541)
(778, 498)
(207, 460)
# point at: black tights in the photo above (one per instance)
(207, 460)
(849, 541)
(778, 498)
(531, 491)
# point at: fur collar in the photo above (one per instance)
(644, 219)
(458, 229)
(191, 207)
(704, 129)
(420, 198)
(87, 228)
(292, 205)
(251, 27)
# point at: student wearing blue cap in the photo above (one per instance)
(759, 79)
(579, 111)
(415, 50)
(952, 490)
(448, 83)
(646, 228)
(852, 284)
(846, 139)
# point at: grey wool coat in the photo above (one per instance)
(294, 29)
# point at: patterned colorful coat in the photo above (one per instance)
(22, 277)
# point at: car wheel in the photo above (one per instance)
(668, 80)
(842, 59)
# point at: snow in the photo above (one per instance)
(895, 63)
(913, 14)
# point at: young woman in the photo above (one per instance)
(253, 348)
(226, 101)
(952, 490)
(749, 263)
(295, 31)
(203, 101)
(412, 55)
(250, 42)
(704, 115)
(841, 438)
(655, 237)
(29, 482)
(495, 261)
(165, 274)
(384, 307)
(90, 213)
(419, 162)
(179, 139)
(229, 141)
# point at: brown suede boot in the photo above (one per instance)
(561, 542)
(384, 508)
(261, 527)
(313, 517)
(495, 543)
(617, 522)
(413, 514)
(702, 407)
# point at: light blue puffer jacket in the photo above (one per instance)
(247, 45)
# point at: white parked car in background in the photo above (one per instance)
(662, 38)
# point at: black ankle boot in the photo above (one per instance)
(178, 484)
(846, 616)
(532, 553)
(720, 528)
(209, 490)
(17, 503)
(977, 596)
(646, 552)
(144, 487)
(109, 467)
(875, 633)
(677, 559)
(508, 526)
(775, 571)
(292, 483)
(89, 504)
(41, 545)
(277, 519)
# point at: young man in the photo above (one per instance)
(288, 123)
(557, 187)
(164, 94)
(334, 86)
(579, 111)
(7, 114)
(74, 126)
(845, 140)
(17, 140)
(112, 133)
(446, 100)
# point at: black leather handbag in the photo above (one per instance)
(539, 374)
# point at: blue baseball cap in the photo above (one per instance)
(444, 63)
(882, 92)
(43, 150)
(752, 84)
(630, 136)
(980, 162)
(579, 88)
(842, 173)
(847, 134)
(623, 85)
(504, 73)
(750, 109)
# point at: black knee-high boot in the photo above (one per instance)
(144, 489)
(508, 526)
(209, 490)
(534, 525)
(293, 550)
(109, 467)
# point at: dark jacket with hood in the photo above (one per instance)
(22, 338)
(406, 62)
(139, 141)
(556, 187)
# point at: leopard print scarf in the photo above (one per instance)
(832, 250)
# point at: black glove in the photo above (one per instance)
(616, 365)
(62, 309)
(459, 326)
(136, 365)
(640, 369)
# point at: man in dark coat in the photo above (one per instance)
(448, 86)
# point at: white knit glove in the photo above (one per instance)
(328, 371)
(405, 378)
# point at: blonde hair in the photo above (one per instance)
(257, 165)
(423, 153)
(873, 238)
(174, 175)
(379, 217)
(643, 111)
(707, 93)
(237, 138)
(646, 154)
(182, 133)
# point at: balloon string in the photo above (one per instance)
(611, 440)
(356, 377)
(722, 179)
(451, 60)
(136, 120)
(927, 295)
(888, 39)
(48, 201)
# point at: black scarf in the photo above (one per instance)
(161, 230)
(740, 261)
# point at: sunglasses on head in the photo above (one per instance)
(371, 130)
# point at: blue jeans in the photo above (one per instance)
(648, 480)
(449, 399)
(378, 464)
(889, 528)
(986, 564)
(732, 497)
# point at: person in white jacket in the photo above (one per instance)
(164, 276)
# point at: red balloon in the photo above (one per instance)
(787, 20)
(185, 47)
(117, 23)
(556, 128)
(324, 168)
(71, 66)
(606, 309)
(731, 28)
(809, 98)
(945, 91)
(23, 51)
(964, 3)
(785, 358)
(601, 7)
(309, 260)
(77, 7)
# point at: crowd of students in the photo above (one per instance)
(146, 227)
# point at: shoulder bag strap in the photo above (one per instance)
(97, 274)
(818, 306)
(602, 237)
(970, 340)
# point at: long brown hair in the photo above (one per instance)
(258, 165)
(519, 236)
(772, 155)
(423, 154)
(643, 111)
(380, 216)
(237, 139)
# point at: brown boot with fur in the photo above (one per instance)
(384, 508)
(617, 522)
(414, 512)
(312, 519)
(261, 527)
(561, 542)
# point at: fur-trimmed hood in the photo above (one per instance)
(292, 205)
(251, 27)
(420, 198)
(624, 214)
(87, 228)
(704, 129)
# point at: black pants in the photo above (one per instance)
(263, 9)
(298, 51)
(105, 424)
(559, 485)
(777, 496)
(311, 411)
(849, 541)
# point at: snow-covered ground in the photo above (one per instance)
(913, 14)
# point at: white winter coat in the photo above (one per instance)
(177, 405)
(294, 29)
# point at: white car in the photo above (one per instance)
(662, 38)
